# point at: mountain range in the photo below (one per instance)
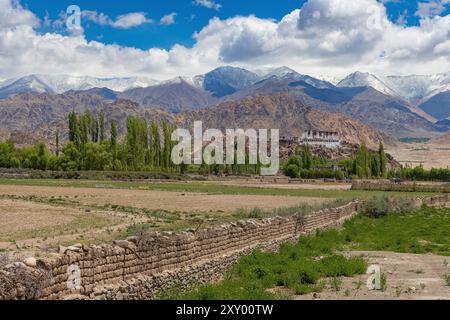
(400, 106)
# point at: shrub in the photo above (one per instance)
(405, 206)
(291, 171)
(447, 279)
(376, 207)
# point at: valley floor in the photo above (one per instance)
(429, 155)
(38, 215)
(408, 277)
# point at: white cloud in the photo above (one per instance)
(210, 4)
(431, 8)
(11, 16)
(125, 21)
(168, 19)
(94, 16)
(131, 20)
(324, 37)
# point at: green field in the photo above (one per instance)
(210, 188)
(303, 267)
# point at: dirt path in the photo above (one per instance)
(408, 277)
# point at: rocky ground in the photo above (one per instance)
(408, 277)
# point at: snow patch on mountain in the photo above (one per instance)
(64, 83)
(365, 79)
(420, 87)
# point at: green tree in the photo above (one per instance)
(155, 145)
(74, 130)
(57, 143)
(383, 160)
(362, 162)
(97, 157)
(136, 142)
(307, 157)
(113, 139)
(101, 123)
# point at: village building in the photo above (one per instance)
(328, 139)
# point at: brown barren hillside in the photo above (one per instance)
(443, 140)
(27, 118)
(280, 111)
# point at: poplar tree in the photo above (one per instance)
(383, 160)
(113, 139)
(57, 143)
(101, 122)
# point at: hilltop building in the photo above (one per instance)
(328, 139)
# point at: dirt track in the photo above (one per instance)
(408, 277)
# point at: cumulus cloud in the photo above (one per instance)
(131, 20)
(11, 16)
(125, 21)
(210, 4)
(324, 37)
(431, 8)
(168, 19)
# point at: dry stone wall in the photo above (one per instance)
(407, 186)
(140, 267)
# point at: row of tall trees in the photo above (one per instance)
(370, 165)
(144, 147)
(365, 164)
(421, 174)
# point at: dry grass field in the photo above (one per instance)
(430, 155)
(164, 200)
(42, 216)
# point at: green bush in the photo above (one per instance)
(447, 279)
(291, 171)
(380, 206)
(376, 207)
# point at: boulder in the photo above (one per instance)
(30, 262)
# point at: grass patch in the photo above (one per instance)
(79, 224)
(257, 213)
(210, 188)
(301, 267)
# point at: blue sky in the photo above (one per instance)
(189, 19)
(163, 39)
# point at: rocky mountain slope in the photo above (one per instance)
(364, 79)
(62, 83)
(391, 114)
(386, 113)
(438, 106)
(174, 96)
(285, 113)
(40, 116)
(385, 103)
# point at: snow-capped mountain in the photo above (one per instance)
(364, 79)
(288, 73)
(28, 84)
(280, 73)
(64, 83)
(419, 87)
(223, 81)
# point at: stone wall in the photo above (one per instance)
(406, 186)
(139, 267)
